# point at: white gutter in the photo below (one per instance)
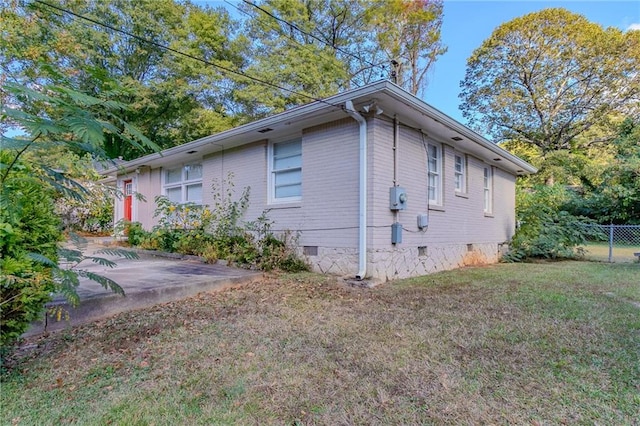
(362, 236)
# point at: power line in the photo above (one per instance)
(294, 26)
(305, 46)
(275, 27)
(178, 52)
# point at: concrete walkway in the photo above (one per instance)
(146, 281)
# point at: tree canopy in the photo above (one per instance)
(171, 99)
(550, 76)
(409, 35)
(186, 71)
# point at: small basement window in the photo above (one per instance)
(310, 250)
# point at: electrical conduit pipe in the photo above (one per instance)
(362, 235)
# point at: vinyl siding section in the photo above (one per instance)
(329, 207)
(460, 219)
(242, 167)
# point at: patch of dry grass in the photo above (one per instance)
(516, 343)
(620, 253)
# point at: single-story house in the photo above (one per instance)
(376, 182)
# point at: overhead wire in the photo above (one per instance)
(297, 28)
(304, 46)
(187, 55)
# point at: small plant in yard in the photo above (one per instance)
(226, 211)
(279, 253)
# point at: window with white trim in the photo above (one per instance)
(488, 189)
(285, 171)
(184, 184)
(435, 174)
(460, 170)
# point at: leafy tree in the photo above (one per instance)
(613, 196)
(408, 32)
(300, 45)
(172, 99)
(319, 47)
(550, 76)
(93, 214)
(29, 228)
(583, 162)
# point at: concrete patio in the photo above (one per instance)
(152, 279)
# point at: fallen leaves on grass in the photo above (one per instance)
(505, 344)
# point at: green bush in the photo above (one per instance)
(135, 233)
(545, 229)
(28, 229)
(191, 242)
(217, 233)
(93, 214)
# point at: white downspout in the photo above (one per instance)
(362, 236)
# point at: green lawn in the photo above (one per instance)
(621, 253)
(546, 343)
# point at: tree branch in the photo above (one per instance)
(18, 155)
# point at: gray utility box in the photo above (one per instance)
(397, 198)
(423, 221)
(396, 233)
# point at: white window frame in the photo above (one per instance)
(487, 184)
(436, 174)
(183, 183)
(272, 172)
(460, 173)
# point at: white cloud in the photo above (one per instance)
(634, 26)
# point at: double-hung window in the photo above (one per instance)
(460, 175)
(488, 189)
(285, 171)
(434, 174)
(184, 184)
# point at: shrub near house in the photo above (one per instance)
(217, 233)
(27, 229)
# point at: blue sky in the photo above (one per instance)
(467, 23)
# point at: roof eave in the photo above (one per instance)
(337, 102)
(460, 128)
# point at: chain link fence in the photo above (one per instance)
(613, 243)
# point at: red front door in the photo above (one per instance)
(128, 191)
